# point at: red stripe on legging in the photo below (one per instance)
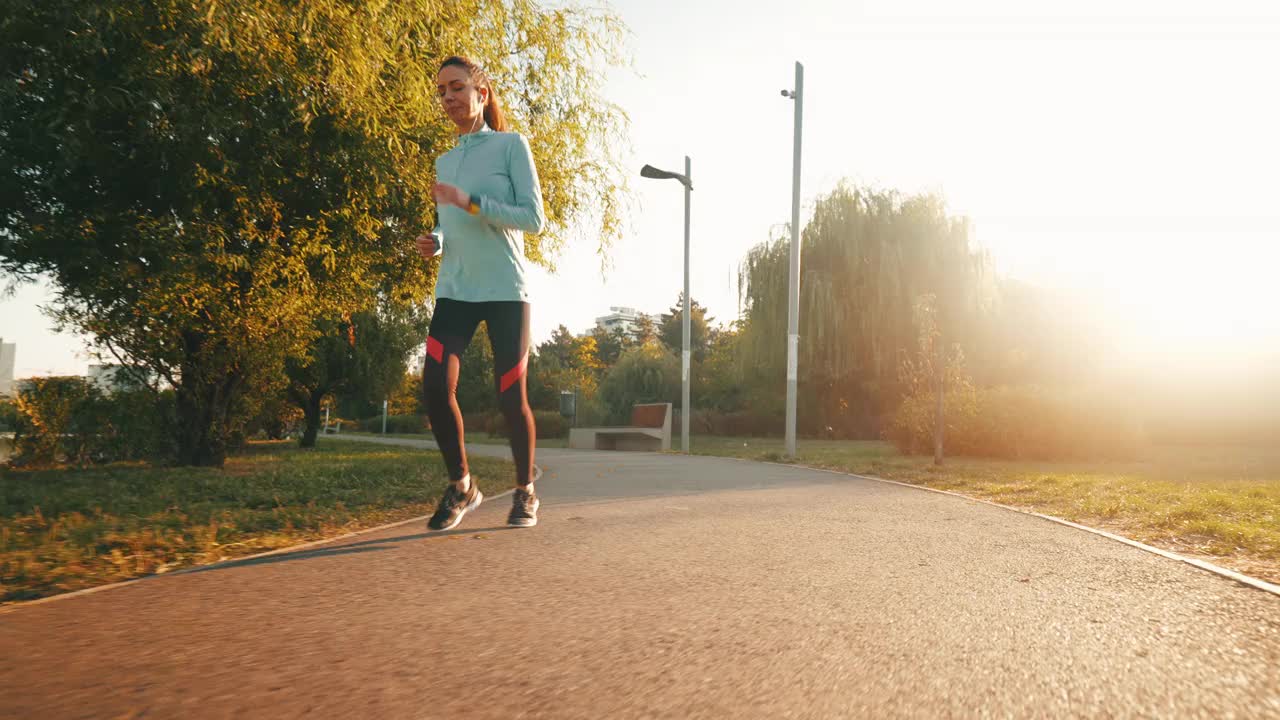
(435, 349)
(514, 373)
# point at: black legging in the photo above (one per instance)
(452, 326)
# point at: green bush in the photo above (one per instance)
(1019, 423)
(137, 425)
(411, 423)
(70, 420)
(338, 425)
(8, 416)
(744, 423)
(275, 419)
(645, 374)
(53, 413)
(592, 412)
(549, 424)
(397, 424)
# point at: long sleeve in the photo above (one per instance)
(526, 213)
(483, 256)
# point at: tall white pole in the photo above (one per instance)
(688, 312)
(793, 294)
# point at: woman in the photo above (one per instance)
(487, 197)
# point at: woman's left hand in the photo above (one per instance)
(451, 195)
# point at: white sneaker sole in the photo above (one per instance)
(470, 506)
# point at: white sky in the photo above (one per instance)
(1127, 147)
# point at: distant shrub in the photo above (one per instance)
(397, 424)
(8, 415)
(744, 423)
(1020, 423)
(645, 374)
(549, 424)
(70, 420)
(274, 419)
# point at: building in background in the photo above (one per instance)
(114, 378)
(620, 317)
(8, 353)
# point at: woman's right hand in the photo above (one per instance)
(428, 245)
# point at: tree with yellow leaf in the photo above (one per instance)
(208, 183)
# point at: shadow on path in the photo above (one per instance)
(365, 546)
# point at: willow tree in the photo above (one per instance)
(867, 257)
(209, 183)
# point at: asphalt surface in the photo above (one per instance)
(662, 586)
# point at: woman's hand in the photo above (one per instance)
(451, 195)
(428, 245)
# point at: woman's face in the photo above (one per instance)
(462, 101)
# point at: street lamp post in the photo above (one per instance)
(649, 171)
(793, 289)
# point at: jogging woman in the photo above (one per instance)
(487, 197)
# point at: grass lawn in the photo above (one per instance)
(63, 530)
(1218, 503)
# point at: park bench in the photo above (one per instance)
(650, 430)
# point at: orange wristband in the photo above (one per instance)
(473, 207)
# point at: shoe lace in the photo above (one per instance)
(451, 499)
(524, 501)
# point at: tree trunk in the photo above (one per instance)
(206, 395)
(312, 410)
(203, 413)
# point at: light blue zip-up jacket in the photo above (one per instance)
(483, 254)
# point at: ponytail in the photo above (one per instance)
(493, 116)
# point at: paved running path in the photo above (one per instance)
(662, 586)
